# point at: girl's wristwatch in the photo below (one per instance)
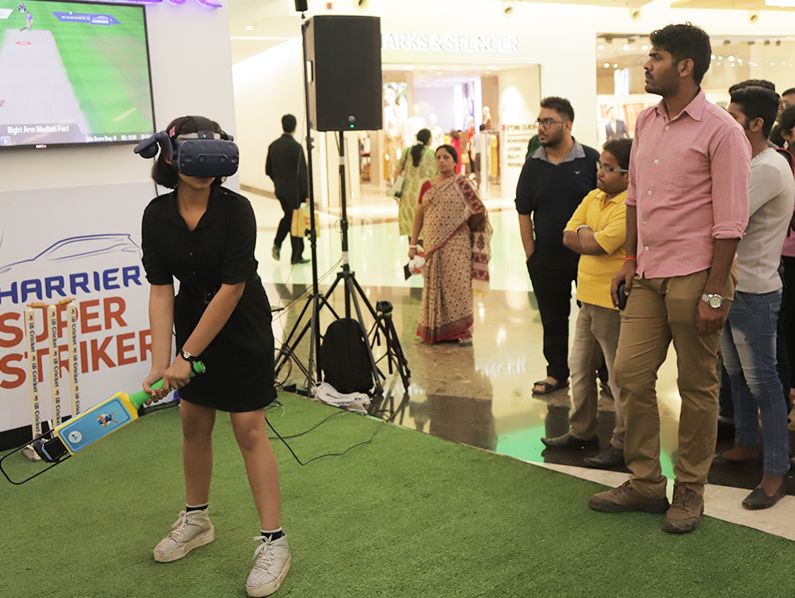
(189, 358)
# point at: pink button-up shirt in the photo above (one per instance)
(688, 179)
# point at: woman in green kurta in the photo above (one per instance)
(417, 166)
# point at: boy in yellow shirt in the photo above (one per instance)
(597, 231)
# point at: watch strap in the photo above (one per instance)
(187, 356)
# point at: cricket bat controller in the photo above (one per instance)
(97, 423)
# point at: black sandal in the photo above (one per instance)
(548, 388)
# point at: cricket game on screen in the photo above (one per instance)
(73, 72)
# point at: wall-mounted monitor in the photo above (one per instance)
(73, 73)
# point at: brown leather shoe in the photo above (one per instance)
(625, 499)
(685, 513)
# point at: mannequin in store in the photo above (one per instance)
(416, 121)
(494, 156)
(469, 134)
(221, 315)
(437, 134)
(487, 120)
(474, 153)
(615, 128)
(394, 130)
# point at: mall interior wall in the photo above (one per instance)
(267, 86)
(52, 197)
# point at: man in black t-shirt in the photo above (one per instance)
(553, 182)
(286, 166)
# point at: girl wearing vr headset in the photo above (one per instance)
(203, 235)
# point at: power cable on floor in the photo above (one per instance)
(324, 455)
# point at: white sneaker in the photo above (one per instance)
(273, 562)
(191, 530)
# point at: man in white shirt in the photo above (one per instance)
(749, 339)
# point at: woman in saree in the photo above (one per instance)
(456, 234)
(417, 166)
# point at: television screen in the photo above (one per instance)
(73, 73)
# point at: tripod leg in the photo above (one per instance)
(314, 342)
(393, 345)
(350, 282)
(286, 350)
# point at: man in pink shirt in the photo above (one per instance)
(687, 208)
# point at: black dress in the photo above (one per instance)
(220, 250)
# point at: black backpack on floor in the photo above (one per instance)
(344, 358)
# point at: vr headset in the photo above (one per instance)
(202, 154)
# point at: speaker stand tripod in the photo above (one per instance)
(354, 296)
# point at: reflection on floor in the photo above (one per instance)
(480, 395)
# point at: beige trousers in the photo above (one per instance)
(597, 327)
(661, 310)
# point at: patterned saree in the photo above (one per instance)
(457, 236)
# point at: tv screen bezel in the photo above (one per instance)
(41, 146)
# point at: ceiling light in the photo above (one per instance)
(644, 47)
(600, 47)
(780, 3)
(615, 66)
(732, 59)
(626, 47)
(249, 27)
(606, 65)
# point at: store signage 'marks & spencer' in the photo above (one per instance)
(456, 43)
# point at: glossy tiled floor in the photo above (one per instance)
(478, 395)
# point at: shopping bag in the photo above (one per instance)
(397, 187)
(302, 222)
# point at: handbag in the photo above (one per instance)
(301, 222)
(397, 187)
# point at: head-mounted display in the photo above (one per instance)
(202, 153)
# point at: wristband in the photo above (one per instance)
(414, 246)
(630, 258)
(582, 226)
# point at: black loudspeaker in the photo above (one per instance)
(301, 5)
(344, 62)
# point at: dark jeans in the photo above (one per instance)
(749, 355)
(552, 272)
(296, 243)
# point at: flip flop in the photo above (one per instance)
(548, 388)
